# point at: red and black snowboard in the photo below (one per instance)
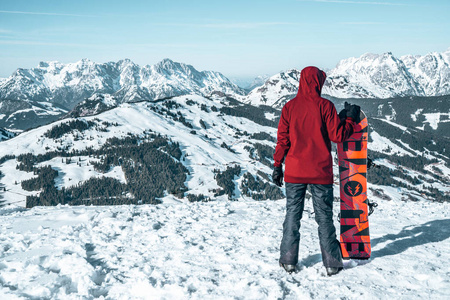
(352, 155)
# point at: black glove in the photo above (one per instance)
(277, 176)
(352, 111)
(343, 114)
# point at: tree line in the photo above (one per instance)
(150, 164)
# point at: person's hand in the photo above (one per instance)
(353, 111)
(343, 114)
(277, 176)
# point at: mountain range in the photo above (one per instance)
(379, 76)
(69, 84)
(369, 76)
(42, 94)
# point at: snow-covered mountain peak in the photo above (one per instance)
(163, 64)
(85, 62)
(68, 84)
(50, 65)
(385, 75)
(275, 90)
(168, 67)
(167, 63)
(364, 62)
(369, 76)
(124, 63)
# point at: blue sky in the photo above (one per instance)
(237, 38)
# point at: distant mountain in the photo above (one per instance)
(93, 105)
(276, 90)
(25, 114)
(385, 76)
(69, 84)
(241, 82)
(369, 76)
(51, 89)
(431, 71)
(258, 81)
(249, 83)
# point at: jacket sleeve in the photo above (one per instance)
(338, 131)
(283, 142)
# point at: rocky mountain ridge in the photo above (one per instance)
(380, 76)
(69, 84)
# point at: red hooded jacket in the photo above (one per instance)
(307, 125)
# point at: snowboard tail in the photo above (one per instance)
(352, 155)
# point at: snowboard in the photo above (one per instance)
(352, 156)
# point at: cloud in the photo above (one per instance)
(355, 2)
(235, 25)
(5, 31)
(361, 23)
(42, 13)
(246, 25)
(39, 43)
(113, 46)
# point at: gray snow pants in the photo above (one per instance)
(322, 197)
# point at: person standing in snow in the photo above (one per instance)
(307, 124)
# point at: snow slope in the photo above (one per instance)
(202, 147)
(202, 151)
(214, 250)
(24, 114)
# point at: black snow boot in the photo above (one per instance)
(333, 271)
(288, 268)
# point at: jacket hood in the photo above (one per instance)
(311, 81)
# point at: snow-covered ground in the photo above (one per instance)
(69, 174)
(79, 169)
(435, 118)
(214, 250)
(382, 144)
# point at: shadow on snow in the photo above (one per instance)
(410, 236)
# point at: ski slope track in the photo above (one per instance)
(214, 250)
